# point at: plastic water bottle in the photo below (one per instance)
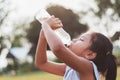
(63, 35)
(60, 32)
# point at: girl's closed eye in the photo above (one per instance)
(81, 39)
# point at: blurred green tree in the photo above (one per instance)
(18, 34)
(4, 11)
(107, 4)
(113, 5)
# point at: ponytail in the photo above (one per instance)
(104, 59)
(111, 67)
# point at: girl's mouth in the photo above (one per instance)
(67, 45)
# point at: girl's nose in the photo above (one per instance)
(74, 40)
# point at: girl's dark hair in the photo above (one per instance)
(104, 60)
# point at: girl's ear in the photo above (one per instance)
(91, 55)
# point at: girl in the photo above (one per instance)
(80, 58)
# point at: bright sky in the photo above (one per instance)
(30, 7)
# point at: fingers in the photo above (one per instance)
(58, 21)
(60, 25)
(55, 22)
(52, 17)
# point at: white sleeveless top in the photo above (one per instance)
(71, 74)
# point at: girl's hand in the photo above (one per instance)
(54, 22)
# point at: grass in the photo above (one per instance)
(32, 76)
(40, 76)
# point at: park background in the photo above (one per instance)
(19, 31)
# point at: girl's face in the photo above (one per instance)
(80, 45)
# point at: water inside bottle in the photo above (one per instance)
(63, 35)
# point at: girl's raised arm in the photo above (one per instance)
(41, 61)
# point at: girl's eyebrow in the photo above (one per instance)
(83, 37)
(86, 37)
